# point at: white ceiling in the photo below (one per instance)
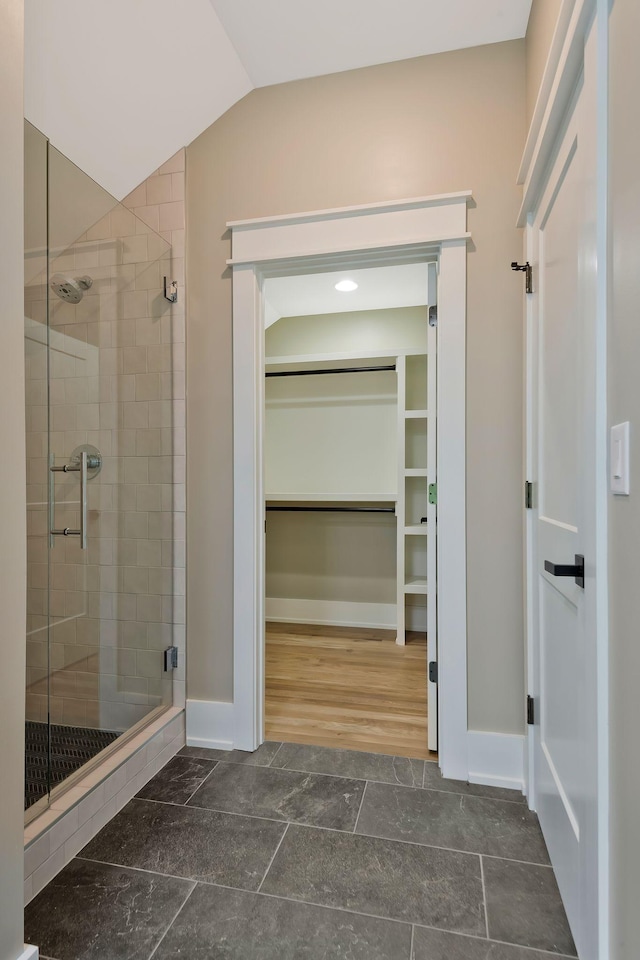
(280, 40)
(379, 288)
(120, 85)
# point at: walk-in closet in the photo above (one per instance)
(351, 503)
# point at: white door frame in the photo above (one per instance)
(385, 232)
(562, 73)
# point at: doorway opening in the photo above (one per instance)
(379, 234)
(350, 503)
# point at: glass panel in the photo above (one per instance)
(37, 430)
(99, 361)
(108, 393)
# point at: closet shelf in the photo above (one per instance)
(416, 530)
(416, 472)
(416, 585)
(331, 497)
(416, 414)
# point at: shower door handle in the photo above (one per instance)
(81, 468)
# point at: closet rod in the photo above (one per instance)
(332, 509)
(315, 373)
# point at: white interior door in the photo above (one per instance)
(564, 775)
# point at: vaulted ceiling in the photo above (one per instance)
(120, 85)
(279, 40)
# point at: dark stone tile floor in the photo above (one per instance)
(307, 853)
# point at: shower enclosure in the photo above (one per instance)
(99, 446)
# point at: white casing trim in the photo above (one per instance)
(562, 72)
(497, 759)
(29, 953)
(389, 232)
(546, 85)
(342, 613)
(210, 724)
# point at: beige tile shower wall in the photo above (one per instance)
(117, 382)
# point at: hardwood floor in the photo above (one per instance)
(339, 687)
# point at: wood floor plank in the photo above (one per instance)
(340, 687)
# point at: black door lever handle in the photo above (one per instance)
(575, 570)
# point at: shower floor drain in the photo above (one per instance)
(71, 748)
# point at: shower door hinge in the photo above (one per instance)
(530, 710)
(170, 659)
(528, 495)
(171, 290)
(433, 671)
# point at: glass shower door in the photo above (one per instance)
(100, 460)
(36, 343)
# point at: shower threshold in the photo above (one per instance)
(71, 748)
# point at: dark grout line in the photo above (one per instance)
(313, 903)
(504, 943)
(484, 899)
(215, 764)
(169, 803)
(122, 866)
(275, 854)
(270, 764)
(351, 833)
(385, 783)
(355, 826)
(178, 912)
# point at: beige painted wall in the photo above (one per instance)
(624, 516)
(542, 24)
(13, 563)
(426, 126)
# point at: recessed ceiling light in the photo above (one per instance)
(346, 286)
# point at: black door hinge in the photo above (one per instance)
(528, 495)
(433, 671)
(530, 711)
(527, 269)
(170, 659)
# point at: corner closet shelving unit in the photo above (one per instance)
(405, 486)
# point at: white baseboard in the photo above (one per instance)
(29, 953)
(342, 613)
(496, 759)
(210, 724)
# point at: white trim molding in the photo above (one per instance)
(418, 229)
(562, 73)
(210, 724)
(497, 759)
(343, 613)
(29, 953)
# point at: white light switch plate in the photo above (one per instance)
(619, 459)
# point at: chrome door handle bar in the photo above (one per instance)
(82, 469)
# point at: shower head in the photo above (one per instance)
(70, 289)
